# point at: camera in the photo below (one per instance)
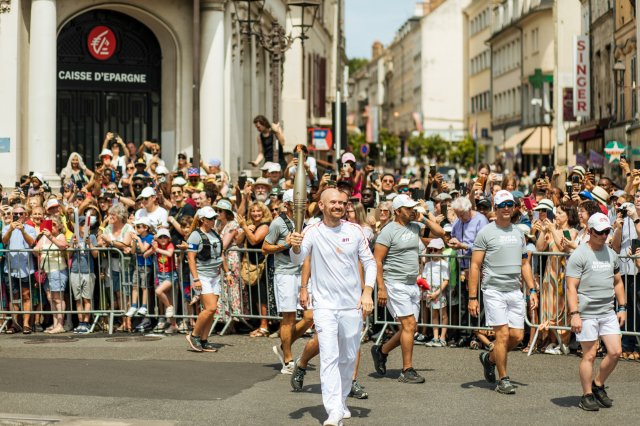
(575, 179)
(16, 217)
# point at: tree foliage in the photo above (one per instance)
(391, 144)
(356, 140)
(355, 64)
(433, 147)
(464, 152)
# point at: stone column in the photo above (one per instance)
(212, 63)
(41, 115)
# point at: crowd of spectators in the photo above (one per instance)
(131, 203)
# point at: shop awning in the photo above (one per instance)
(517, 139)
(542, 138)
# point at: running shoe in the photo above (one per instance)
(379, 359)
(431, 343)
(194, 342)
(588, 403)
(600, 394)
(505, 386)
(357, 391)
(288, 368)
(437, 343)
(131, 311)
(142, 311)
(334, 421)
(419, 339)
(277, 349)
(410, 376)
(208, 346)
(169, 312)
(489, 367)
(172, 329)
(297, 377)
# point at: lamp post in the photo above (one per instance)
(276, 41)
(618, 71)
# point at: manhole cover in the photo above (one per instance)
(148, 338)
(120, 339)
(41, 341)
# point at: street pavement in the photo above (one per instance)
(90, 380)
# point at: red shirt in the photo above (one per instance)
(166, 264)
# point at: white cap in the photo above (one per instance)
(403, 182)
(443, 196)
(163, 232)
(287, 197)
(599, 222)
(502, 196)
(38, 176)
(348, 156)
(403, 200)
(545, 204)
(447, 228)
(179, 181)
(266, 165)
(106, 152)
(162, 170)
(52, 203)
(206, 212)
(436, 243)
(144, 220)
(274, 167)
(147, 192)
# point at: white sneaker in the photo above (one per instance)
(278, 351)
(331, 421)
(346, 414)
(288, 369)
(131, 312)
(169, 312)
(142, 311)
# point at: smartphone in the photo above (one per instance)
(333, 177)
(482, 180)
(623, 156)
(444, 208)
(98, 164)
(17, 185)
(16, 217)
(527, 203)
(371, 211)
(635, 245)
(432, 170)
(569, 189)
(46, 224)
(536, 215)
(242, 181)
(417, 194)
(499, 177)
(5, 200)
(575, 179)
(567, 234)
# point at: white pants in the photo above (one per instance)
(339, 337)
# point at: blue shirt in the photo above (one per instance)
(81, 261)
(19, 264)
(466, 232)
(140, 258)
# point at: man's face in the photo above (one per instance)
(274, 176)
(605, 184)
(261, 192)
(367, 198)
(197, 198)
(177, 194)
(20, 213)
(505, 209)
(334, 205)
(387, 183)
(406, 214)
(132, 148)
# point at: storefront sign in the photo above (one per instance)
(105, 76)
(582, 77)
(321, 139)
(101, 43)
(119, 77)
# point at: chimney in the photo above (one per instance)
(376, 49)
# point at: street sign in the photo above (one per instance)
(321, 138)
(364, 150)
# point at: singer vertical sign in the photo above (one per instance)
(581, 77)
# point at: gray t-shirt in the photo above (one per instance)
(278, 231)
(595, 269)
(401, 263)
(208, 268)
(504, 249)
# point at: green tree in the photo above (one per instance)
(391, 144)
(355, 64)
(356, 140)
(464, 152)
(433, 146)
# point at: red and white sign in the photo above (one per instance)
(581, 77)
(101, 43)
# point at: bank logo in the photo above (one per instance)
(101, 43)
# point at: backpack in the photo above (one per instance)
(204, 255)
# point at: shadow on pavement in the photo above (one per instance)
(566, 401)
(395, 373)
(481, 384)
(320, 415)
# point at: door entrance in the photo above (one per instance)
(109, 68)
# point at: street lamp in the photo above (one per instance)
(276, 41)
(618, 70)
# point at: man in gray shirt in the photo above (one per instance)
(593, 279)
(500, 252)
(397, 258)
(286, 284)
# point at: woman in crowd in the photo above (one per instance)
(206, 264)
(555, 238)
(76, 171)
(585, 210)
(228, 229)
(356, 214)
(254, 230)
(117, 234)
(53, 261)
(384, 215)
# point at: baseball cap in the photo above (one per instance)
(140, 162)
(274, 167)
(443, 196)
(143, 221)
(436, 243)
(179, 181)
(502, 196)
(266, 165)
(215, 162)
(619, 193)
(206, 212)
(106, 152)
(146, 193)
(545, 204)
(38, 176)
(52, 203)
(403, 200)
(193, 172)
(447, 228)
(599, 222)
(287, 197)
(484, 202)
(526, 229)
(586, 194)
(348, 156)
(162, 170)
(163, 232)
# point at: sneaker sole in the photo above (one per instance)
(411, 382)
(511, 392)
(188, 337)
(587, 408)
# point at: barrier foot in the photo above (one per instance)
(95, 322)
(213, 325)
(226, 326)
(111, 322)
(533, 343)
(4, 324)
(381, 335)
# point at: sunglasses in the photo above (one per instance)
(506, 204)
(144, 198)
(19, 213)
(176, 193)
(432, 250)
(388, 181)
(402, 190)
(600, 233)
(384, 210)
(141, 226)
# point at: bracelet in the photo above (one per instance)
(195, 280)
(574, 313)
(636, 221)
(473, 298)
(532, 291)
(621, 309)
(303, 286)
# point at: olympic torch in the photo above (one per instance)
(299, 193)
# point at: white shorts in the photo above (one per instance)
(592, 328)
(504, 307)
(403, 299)
(287, 289)
(210, 285)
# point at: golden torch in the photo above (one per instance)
(299, 193)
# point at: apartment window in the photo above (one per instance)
(535, 40)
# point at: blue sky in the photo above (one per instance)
(370, 20)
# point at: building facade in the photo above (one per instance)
(74, 70)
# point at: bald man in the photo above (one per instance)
(335, 246)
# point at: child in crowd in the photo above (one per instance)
(436, 272)
(164, 249)
(143, 275)
(82, 278)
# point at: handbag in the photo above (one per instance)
(41, 275)
(250, 273)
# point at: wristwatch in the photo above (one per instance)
(636, 221)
